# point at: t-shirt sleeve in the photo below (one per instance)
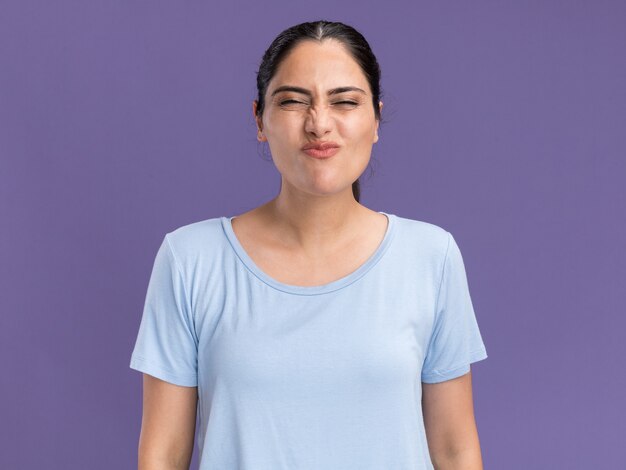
(456, 341)
(166, 346)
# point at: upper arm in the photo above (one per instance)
(448, 412)
(168, 423)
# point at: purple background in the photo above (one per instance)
(504, 123)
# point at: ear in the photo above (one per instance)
(380, 107)
(259, 123)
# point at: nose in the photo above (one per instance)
(318, 121)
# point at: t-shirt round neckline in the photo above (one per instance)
(310, 290)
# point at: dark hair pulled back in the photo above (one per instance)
(352, 40)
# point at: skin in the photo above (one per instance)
(313, 232)
(450, 425)
(315, 214)
(168, 425)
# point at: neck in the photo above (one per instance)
(315, 224)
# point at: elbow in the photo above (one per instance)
(154, 458)
(468, 458)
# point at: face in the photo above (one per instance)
(319, 112)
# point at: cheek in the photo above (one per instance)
(358, 128)
(285, 129)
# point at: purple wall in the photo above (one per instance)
(505, 124)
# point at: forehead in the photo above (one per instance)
(316, 65)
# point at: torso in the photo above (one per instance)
(292, 267)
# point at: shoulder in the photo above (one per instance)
(426, 237)
(196, 239)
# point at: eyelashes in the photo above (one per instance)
(295, 102)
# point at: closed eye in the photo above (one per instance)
(300, 102)
(290, 101)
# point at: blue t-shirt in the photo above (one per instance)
(308, 378)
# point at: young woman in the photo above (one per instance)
(310, 332)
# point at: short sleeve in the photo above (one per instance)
(456, 341)
(166, 346)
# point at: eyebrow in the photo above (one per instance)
(304, 91)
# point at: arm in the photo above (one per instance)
(450, 426)
(168, 425)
